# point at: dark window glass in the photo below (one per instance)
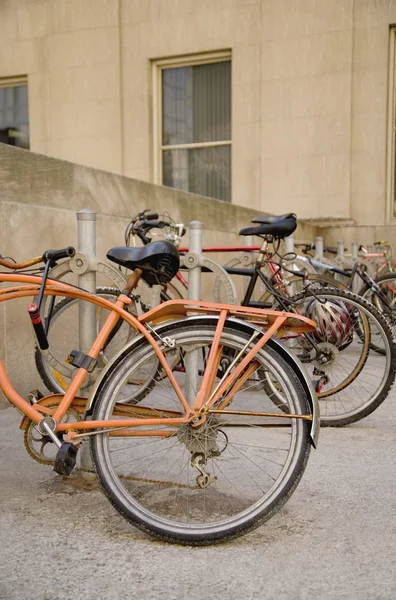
(196, 109)
(14, 116)
(205, 171)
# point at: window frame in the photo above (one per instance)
(158, 66)
(391, 141)
(17, 81)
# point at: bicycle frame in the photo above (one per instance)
(274, 323)
(364, 276)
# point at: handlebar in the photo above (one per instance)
(49, 255)
(146, 220)
(54, 255)
(311, 246)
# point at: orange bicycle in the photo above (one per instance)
(205, 455)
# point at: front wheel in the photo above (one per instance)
(201, 485)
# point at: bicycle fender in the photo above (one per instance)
(286, 354)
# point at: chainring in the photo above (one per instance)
(40, 447)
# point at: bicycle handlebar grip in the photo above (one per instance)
(151, 216)
(152, 224)
(55, 255)
(38, 326)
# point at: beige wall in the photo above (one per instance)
(309, 80)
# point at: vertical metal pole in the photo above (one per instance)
(247, 241)
(289, 244)
(86, 231)
(194, 293)
(155, 295)
(289, 250)
(319, 248)
(340, 252)
(355, 257)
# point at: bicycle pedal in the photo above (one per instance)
(65, 459)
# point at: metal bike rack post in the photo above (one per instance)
(289, 250)
(247, 241)
(289, 244)
(86, 232)
(340, 252)
(319, 248)
(192, 261)
(354, 259)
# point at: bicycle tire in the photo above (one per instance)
(238, 499)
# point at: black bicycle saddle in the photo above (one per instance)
(159, 261)
(268, 219)
(278, 229)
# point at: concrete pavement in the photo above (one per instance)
(334, 539)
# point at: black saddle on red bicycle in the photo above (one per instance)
(159, 261)
(277, 227)
(268, 219)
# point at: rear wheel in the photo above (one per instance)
(209, 483)
(354, 378)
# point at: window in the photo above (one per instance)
(14, 115)
(193, 124)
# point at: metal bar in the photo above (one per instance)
(86, 232)
(319, 248)
(340, 251)
(194, 293)
(248, 243)
(197, 145)
(225, 249)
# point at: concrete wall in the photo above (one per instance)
(309, 90)
(39, 197)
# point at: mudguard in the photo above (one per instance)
(275, 343)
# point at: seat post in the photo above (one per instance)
(262, 252)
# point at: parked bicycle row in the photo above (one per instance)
(200, 415)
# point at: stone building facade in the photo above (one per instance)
(303, 113)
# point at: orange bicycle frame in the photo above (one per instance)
(274, 322)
